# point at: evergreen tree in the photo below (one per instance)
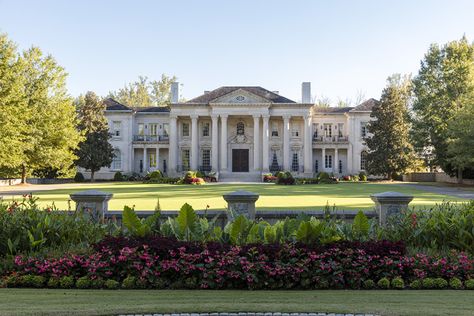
(390, 151)
(441, 87)
(95, 151)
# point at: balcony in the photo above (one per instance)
(330, 139)
(151, 139)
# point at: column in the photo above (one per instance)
(215, 143)
(256, 142)
(323, 155)
(173, 148)
(194, 142)
(266, 134)
(336, 160)
(308, 145)
(145, 167)
(224, 142)
(349, 159)
(286, 142)
(157, 158)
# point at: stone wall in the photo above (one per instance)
(434, 177)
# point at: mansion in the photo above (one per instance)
(239, 133)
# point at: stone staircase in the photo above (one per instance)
(240, 177)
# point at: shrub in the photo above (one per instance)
(83, 282)
(416, 285)
(469, 284)
(53, 282)
(13, 280)
(129, 282)
(369, 284)
(355, 178)
(383, 283)
(30, 280)
(397, 283)
(428, 283)
(118, 176)
(440, 283)
(66, 282)
(79, 177)
(155, 175)
(322, 175)
(285, 177)
(112, 284)
(97, 283)
(362, 176)
(455, 283)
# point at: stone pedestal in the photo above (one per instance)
(95, 202)
(241, 203)
(390, 203)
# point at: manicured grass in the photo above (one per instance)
(347, 196)
(102, 302)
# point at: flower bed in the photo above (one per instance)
(159, 262)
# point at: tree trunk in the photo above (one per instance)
(92, 175)
(23, 174)
(459, 175)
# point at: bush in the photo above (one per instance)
(416, 285)
(30, 280)
(428, 283)
(362, 176)
(79, 177)
(118, 176)
(355, 178)
(66, 282)
(285, 177)
(383, 283)
(397, 283)
(83, 282)
(129, 282)
(455, 283)
(53, 282)
(323, 176)
(155, 175)
(369, 284)
(97, 283)
(13, 280)
(440, 283)
(469, 284)
(111, 284)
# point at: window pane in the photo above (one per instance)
(185, 129)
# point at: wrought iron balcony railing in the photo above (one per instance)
(330, 139)
(151, 138)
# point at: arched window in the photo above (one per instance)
(117, 161)
(363, 160)
(240, 128)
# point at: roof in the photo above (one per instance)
(331, 110)
(261, 92)
(153, 109)
(366, 106)
(112, 105)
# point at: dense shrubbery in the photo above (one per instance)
(79, 177)
(118, 176)
(285, 177)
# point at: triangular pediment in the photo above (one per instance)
(240, 96)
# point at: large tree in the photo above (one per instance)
(390, 151)
(143, 93)
(95, 151)
(441, 88)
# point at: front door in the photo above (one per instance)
(240, 160)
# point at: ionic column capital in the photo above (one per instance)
(224, 116)
(194, 117)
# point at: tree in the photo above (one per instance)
(442, 85)
(143, 93)
(95, 151)
(390, 151)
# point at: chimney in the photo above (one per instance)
(306, 92)
(174, 92)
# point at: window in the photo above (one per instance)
(295, 131)
(206, 157)
(316, 166)
(205, 129)
(117, 160)
(340, 129)
(141, 129)
(166, 129)
(315, 130)
(363, 129)
(240, 128)
(340, 166)
(185, 159)
(328, 130)
(185, 131)
(117, 128)
(152, 160)
(328, 161)
(363, 160)
(275, 129)
(295, 162)
(153, 129)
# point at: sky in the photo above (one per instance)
(344, 48)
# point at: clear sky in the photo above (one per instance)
(342, 47)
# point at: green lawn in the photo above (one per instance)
(103, 302)
(347, 196)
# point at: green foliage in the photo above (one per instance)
(53, 283)
(155, 175)
(461, 138)
(369, 284)
(416, 284)
(118, 176)
(323, 176)
(66, 282)
(469, 284)
(79, 177)
(30, 280)
(97, 283)
(455, 283)
(362, 176)
(397, 283)
(390, 151)
(129, 282)
(360, 227)
(428, 283)
(384, 283)
(440, 283)
(83, 282)
(112, 284)
(138, 227)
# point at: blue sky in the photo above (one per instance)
(342, 47)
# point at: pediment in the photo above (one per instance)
(240, 96)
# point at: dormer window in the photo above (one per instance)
(240, 128)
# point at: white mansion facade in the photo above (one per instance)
(238, 133)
